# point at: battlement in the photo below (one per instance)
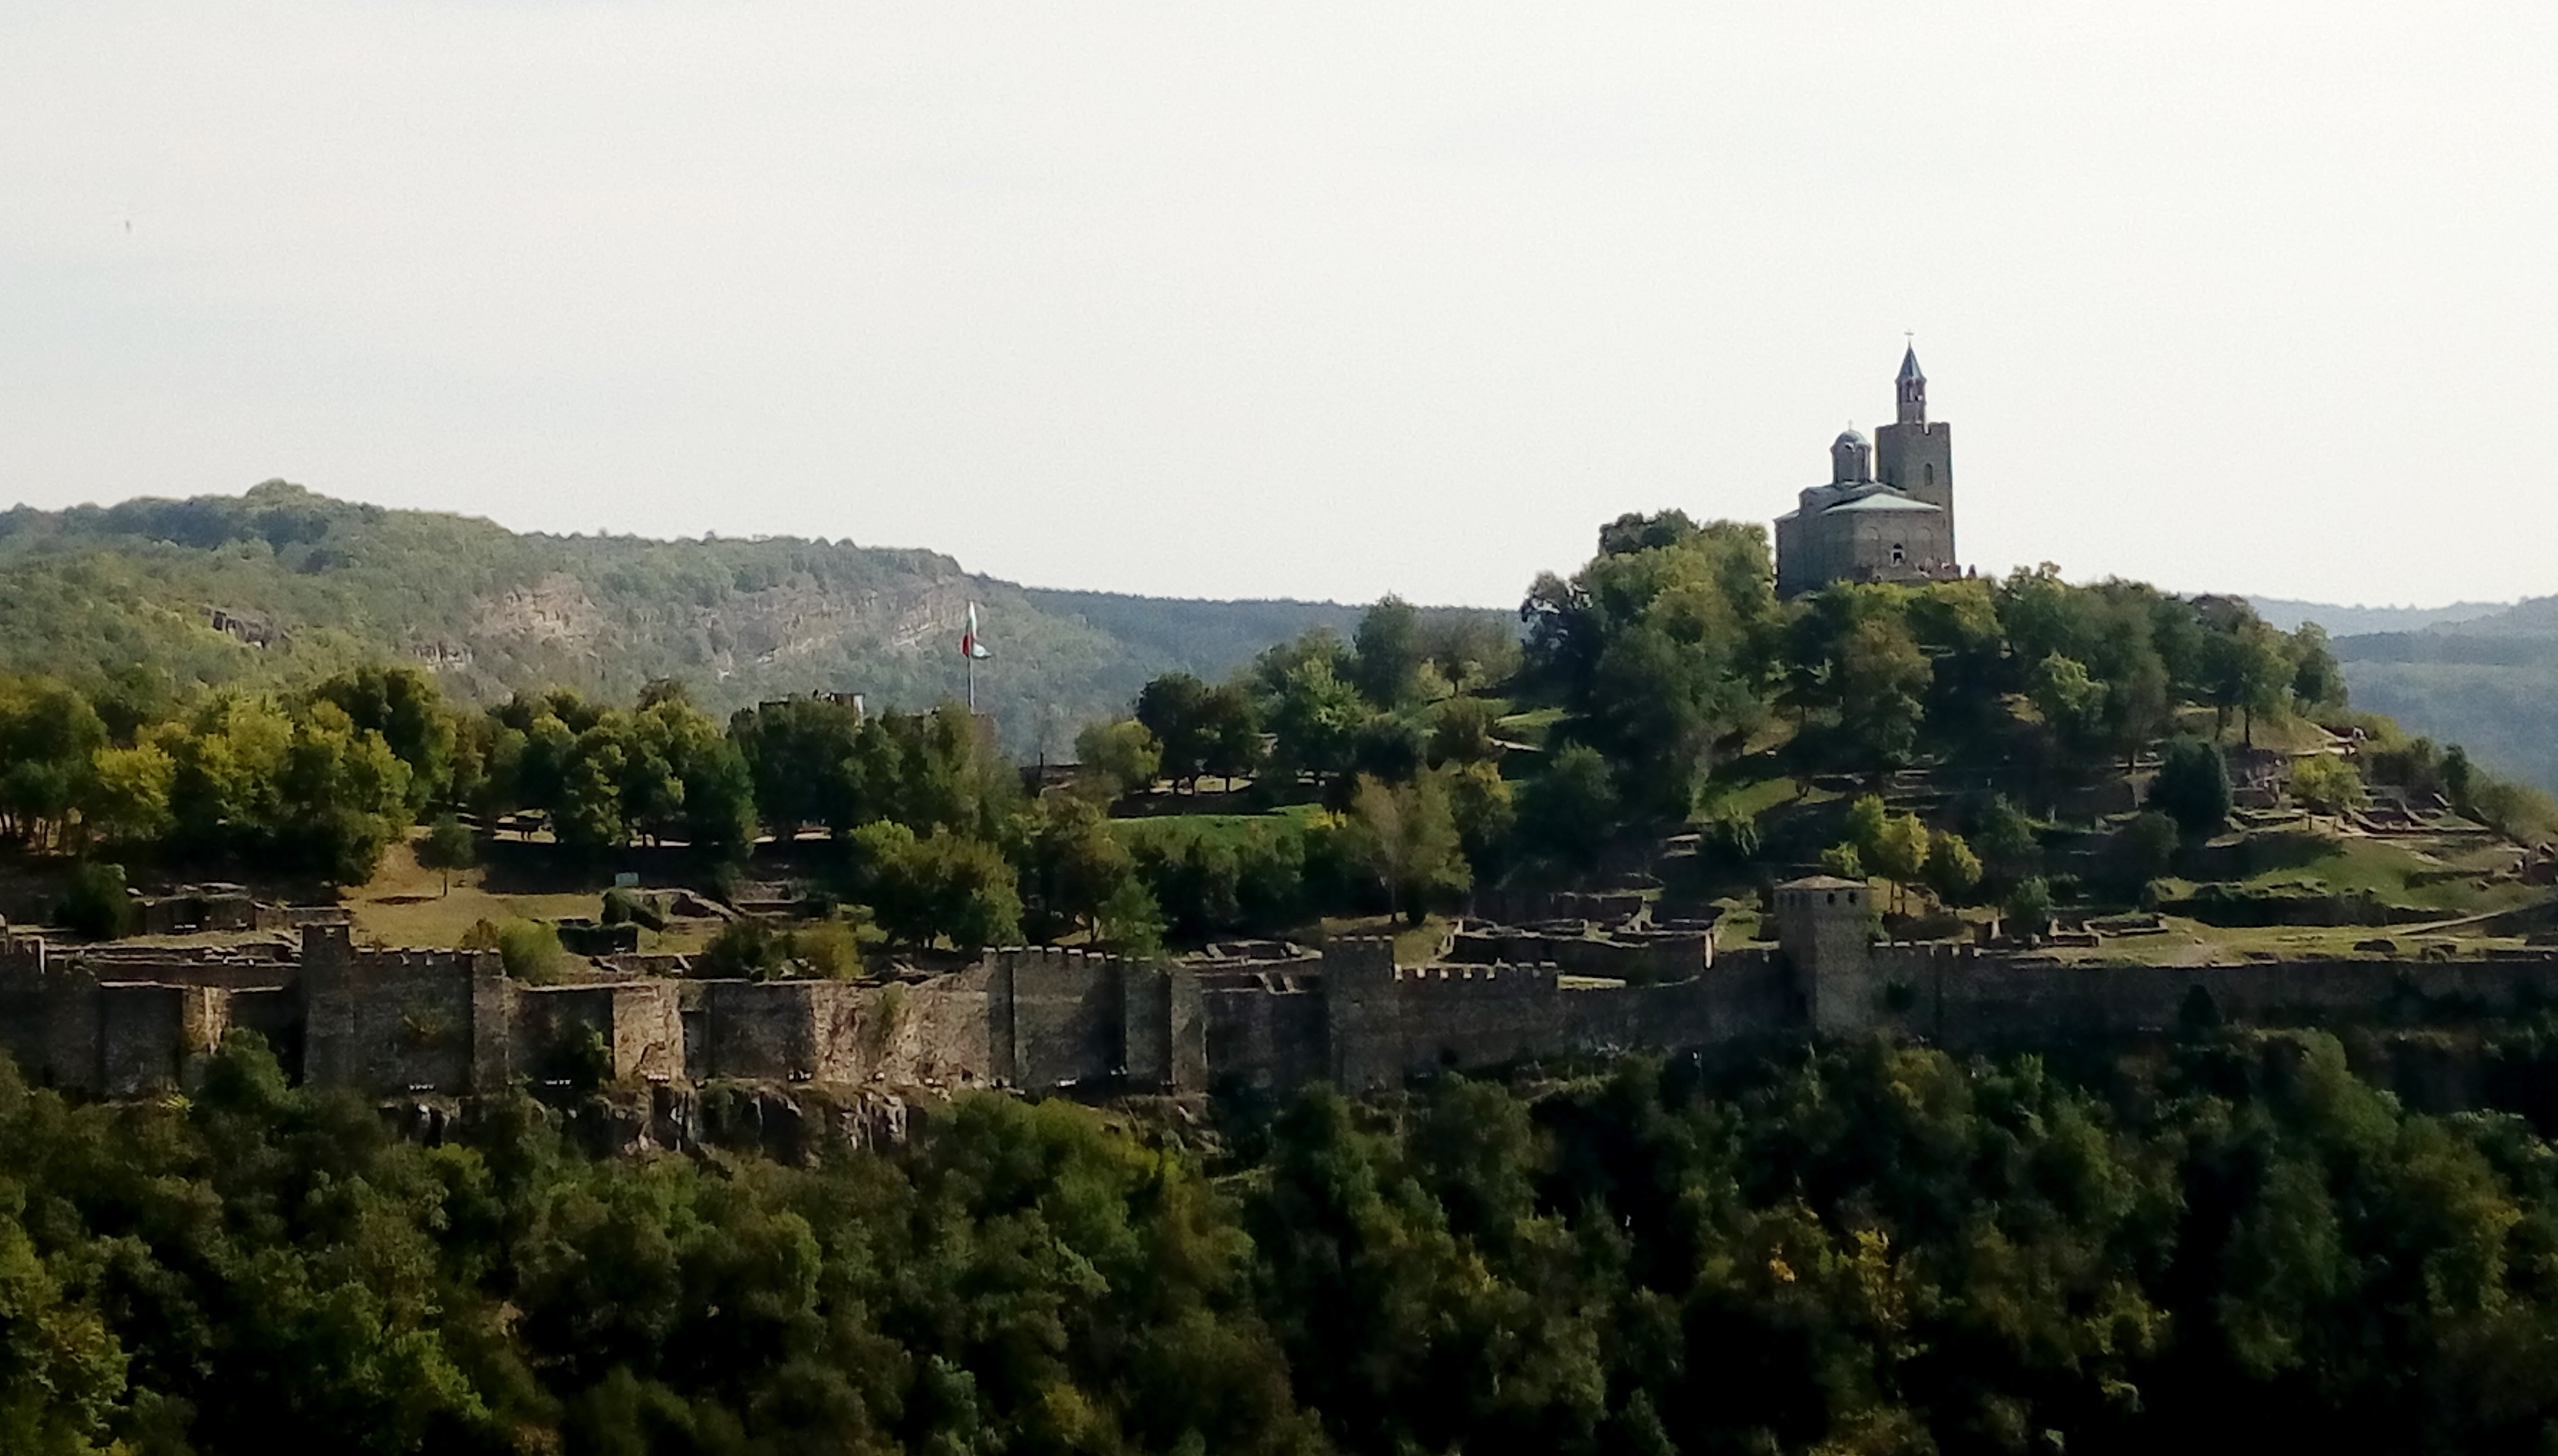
(1496, 979)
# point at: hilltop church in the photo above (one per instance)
(1888, 513)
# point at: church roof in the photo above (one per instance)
(1909, 365)
(1879, 500)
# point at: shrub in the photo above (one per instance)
(2326, 784)
(830, 948)
(96, 904)
(2029, 907)
(530, 948)
(744, 950)
(2193, 788)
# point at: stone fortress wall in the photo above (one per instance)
(122, 1022)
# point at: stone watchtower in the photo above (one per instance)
(1823, 929)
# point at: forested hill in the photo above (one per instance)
(2489, 682)
(281, 585)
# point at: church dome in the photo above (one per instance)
(1851, 459)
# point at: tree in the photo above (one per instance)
(1173, 708)
(1866, 820)
(128, 792)
(1071, 860)
(1387, 653)
(1842, 860)
(2459, 779)
(1460, 732)
(48, 739)
(449, 846)
(402, 704)
(1882, 678)
(1229, 732)
(1119, 757)
(96, 903)
(1953, 872)
(1569, 811)
(1487, 813)
(948, 885)
(2006, 842)
(2192, 786)
(1130, 919)
(797, 752)
(2326, 784)
(2146, 849)
(1406, 837)
(1316, 719)
(344, 796)
(2071, 702)
(2028, 906)
(2316, 681)
(1900, 852)
(2245, 670)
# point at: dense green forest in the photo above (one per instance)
(306, 586)
(2235, 1245)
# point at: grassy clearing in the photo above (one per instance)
(2400, 873)
(1531, 727)
(1162, 831)
(404, 903)
(1750, 798)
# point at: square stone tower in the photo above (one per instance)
(1822, 927)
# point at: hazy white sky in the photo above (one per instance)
(1304, 300)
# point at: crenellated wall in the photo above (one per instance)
(393, 1023)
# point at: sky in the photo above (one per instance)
(1304, 300)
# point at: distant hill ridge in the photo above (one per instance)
(282, 585)
(2357, 621)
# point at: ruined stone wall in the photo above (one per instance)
(392, 1021)
(1066, 1019)
(1478, 1015)
(777, 1031)
(638, 1022)
(1264, 1031)
(1364, 1014)
(1532, 907)
(141, 1037)
(1663, 955)
(935, 1034)
(1991, 1002)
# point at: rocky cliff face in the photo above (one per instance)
(797, 1126)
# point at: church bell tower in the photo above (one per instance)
(1913, 389)
(1913, 455)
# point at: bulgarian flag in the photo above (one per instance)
(969, 645)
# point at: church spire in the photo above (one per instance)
(1912, 388)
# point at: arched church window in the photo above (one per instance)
(1930, 473)
(1896, 555)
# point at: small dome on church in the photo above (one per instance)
(1849, 440)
